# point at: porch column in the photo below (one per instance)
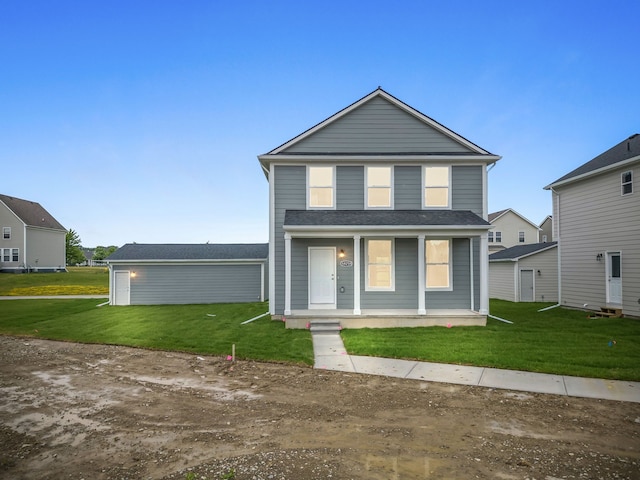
(287, 274)
(421, 273)
(356, 275)
(484, 274)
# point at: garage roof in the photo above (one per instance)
(188, 251)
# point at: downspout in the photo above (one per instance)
(557, 235)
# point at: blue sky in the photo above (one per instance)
(142, 120)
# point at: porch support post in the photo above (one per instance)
(287, 274)
(356, 275)
(484, 274)
(421, 273)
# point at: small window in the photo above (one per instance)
(320, 194)
(627, 183)
(379, 190)
(521, 237)
(6, 233)
(438, 264)
(498, 237)
(490, 237)
(544, 239)
(380, 265)
(436, 187)
(14, 254)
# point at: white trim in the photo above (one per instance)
(356, 275)
(272, 242)
(391, 187)
(421, 275)
(607, 276)
(484, 275)
(287, 274)
(115, 285)
(533, 277)
(234, 261)
(333, 188)
(515, 259)
(449, 188)
(622, 183)
(357, 159)
(322, 306)
(448, 288)
(592, 173)
(384, 230)
(485, 193)
(392, 273)
(471, 272)
(504, 212)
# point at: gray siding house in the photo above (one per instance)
(378, 217)
(525, 273)
(596, 221)
(148, 274)
(31, 240)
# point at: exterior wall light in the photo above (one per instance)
(133, 274)
(599, 257)
(341, 254)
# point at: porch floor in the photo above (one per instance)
(387, 318)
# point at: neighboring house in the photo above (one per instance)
(378, 217)
(546, 229)
(510, 229)
(147, 274)
(525, 273)
(32, 240)
(596, 220)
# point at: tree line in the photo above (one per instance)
(75, 254)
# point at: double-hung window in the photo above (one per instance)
(490, 237)
(498, 237)
(436, 187)
(438, 264)
(380, 275)
(6, 233)
(627, 183)
(521, 237)
(6, 254)
(14, 254)
(379, 187)
(320, 192)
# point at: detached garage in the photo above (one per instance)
(525, 273)
(151, 274)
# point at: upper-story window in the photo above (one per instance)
(490, 237)
(379, 187)
(6, 233)
(498, 237)
(521, 237)
(436, 187)
(320, 187)
(627, 183)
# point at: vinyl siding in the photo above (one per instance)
(595, 218)
(460, 296)
(350, 188)
(8, 219)
(501, 281)
(193, 284)
(290, 193)
(510, 224)
(466, 182)
(546, 283)
(377, 127)
(45, 249)
(407, 187)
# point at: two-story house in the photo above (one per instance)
(378, 217)
(596, 221)
(511, 229)
(32, 240)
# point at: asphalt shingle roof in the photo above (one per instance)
(520, 251)
(31, 213)
(182, 251)
(628, 148)
(382, 218)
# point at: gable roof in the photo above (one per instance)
(450, 144)
(624, 152)
(496, 215)
(521, 251)
(31, 213)
(184, 252)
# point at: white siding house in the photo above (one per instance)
(510, 229)
(596, 220)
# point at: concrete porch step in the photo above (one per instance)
(324, 326)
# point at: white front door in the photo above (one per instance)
(122, 281)
(322, 277)
(526, 285)
(614, 278)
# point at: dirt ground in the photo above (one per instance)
(105, 412)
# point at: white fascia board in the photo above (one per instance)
(395, 159)
(236, 261)
(593, 173)
(397, 231)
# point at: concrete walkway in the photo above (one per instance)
(330, 354)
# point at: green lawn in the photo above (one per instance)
(187, 328)
(559, 341)
(77, 281)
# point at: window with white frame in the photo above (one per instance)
(379, 187)
(627, 183)
(438, 264)
(498, 237)
(490, 237)
(436, 187)
(6, 233)
(380, 275)
(320, 187)
(521, 237)
(14, 254)
(6, 254)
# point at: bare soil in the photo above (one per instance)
(105, 412)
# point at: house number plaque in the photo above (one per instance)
(346, 263)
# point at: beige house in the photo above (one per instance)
(546, 229)
(31, 239)
(511, 229)
(596, 221)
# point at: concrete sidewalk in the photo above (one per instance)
(330, 354)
